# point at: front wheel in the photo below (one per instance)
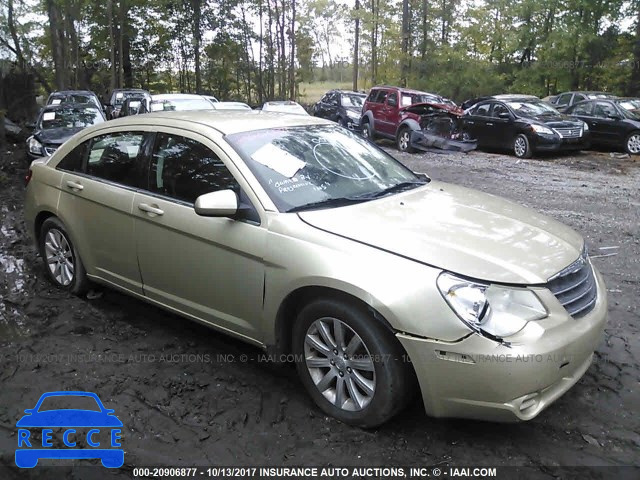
(350, 364)
(632, 144)
(521, 147)
(403, 140)
(62, 263)
(367, 131)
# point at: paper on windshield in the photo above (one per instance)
(278, 159)
(49, 116)
(134, 104)
(56, 101)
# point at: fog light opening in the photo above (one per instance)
(529, 402)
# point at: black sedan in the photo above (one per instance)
(342, 106)
(611, 124)
(525, 125)
(73, 96)
(57, 123)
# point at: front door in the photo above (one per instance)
(209, 268)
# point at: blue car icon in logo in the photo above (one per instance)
(99, 422)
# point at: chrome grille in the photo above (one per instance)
(50, 150)
(571, 132)
(575, 287)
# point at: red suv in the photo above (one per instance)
(384, 114)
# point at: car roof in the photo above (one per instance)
(406, 90)
(349, 92)
(514, 97)
(225, 121)
(177, 96)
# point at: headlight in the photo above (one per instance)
(496, 310)
(35, 146)
(542, 129)
(585, 126)
(353, 115)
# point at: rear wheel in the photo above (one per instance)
(350, 364)
(632, 144)
(367, 130)
(62, 263)
(403, 140)
(521, 147)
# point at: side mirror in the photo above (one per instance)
(30, 125)
(504, 115)
(392, 103)
(29, 411)
(223, 203)
(613, 116)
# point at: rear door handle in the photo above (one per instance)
(149, 209)
(74, 185)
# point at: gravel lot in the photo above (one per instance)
(186, 398)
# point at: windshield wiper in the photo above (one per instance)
(399, 187)
(329, 202)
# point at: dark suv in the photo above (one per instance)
(342, 106)
(384, 113)
(119, 95)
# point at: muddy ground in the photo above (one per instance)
(186, 397)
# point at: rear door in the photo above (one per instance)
(96, 204)
(475, 123)
(500, 131)
(209, 268)
(606, 125)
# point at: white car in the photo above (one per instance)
(284, 107)
(180, 102)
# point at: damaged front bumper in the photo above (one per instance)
(423, 140)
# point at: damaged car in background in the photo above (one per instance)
(434, 126)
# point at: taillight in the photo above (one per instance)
(27, 177)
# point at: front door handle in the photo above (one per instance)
(489, 124)
(74, 185)
(149, 209)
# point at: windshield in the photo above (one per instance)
(305, 166)
(630, 104)
(353, 100)
(181, 104)
(70, 118)
(532, 109)
(122, 96)
(69, 402)
(413, 98)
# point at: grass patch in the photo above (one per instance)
(312, 92)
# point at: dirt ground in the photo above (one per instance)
(187, 396)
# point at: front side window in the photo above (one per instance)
(379, 97)
(392, 100)
(349, 100)
(319, 166)
(564, 99)
(604, 110)
(499, 109)
(115, 157)
(184, 169)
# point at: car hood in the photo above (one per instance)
(69, 418)
(556, 121)
(460, 230)
(56, 136)
(357, 110)
(421, 108)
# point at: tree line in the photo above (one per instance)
(257, 50)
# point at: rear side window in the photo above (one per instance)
(184, 169)
(564, 99)
(482, 110)
(117, 157)
(74, 160)
(582, 109)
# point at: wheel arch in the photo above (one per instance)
(38, 221)
(298, 298)
(410, 123)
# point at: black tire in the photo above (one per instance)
(54, 238)
(391, 377)
(367, 130)
(403, 140)
(521, 146)
(632, 143)
(343, 122)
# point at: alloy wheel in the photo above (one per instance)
(633, 144)
(339, 364)
(59, 257)
(520, 147)
(403, 141)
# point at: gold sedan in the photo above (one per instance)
(299, 236)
